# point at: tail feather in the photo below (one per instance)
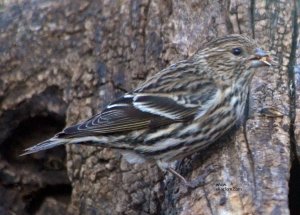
(102, 141)
(48, 144)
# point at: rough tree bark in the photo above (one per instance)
(62, 60)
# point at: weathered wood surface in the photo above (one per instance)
(62, 60)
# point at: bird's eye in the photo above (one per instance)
(237, 51)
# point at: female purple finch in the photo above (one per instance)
(178, 111)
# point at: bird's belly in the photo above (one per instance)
(182, 139)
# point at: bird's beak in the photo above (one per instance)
(261, 58)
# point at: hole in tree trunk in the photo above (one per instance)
(30, 132)
(38, 181)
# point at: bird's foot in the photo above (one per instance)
(271, 112)
(199, 181)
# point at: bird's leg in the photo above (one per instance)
(199, 181)
(173, 171)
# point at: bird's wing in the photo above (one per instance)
(141, 111)
(175, 94)
(133, 112)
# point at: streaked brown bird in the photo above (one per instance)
(180, 110)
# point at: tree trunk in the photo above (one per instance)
(63, 61)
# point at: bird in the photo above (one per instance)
(178, 111)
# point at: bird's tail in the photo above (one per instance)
(48, 144)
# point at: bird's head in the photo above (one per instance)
(233, 56)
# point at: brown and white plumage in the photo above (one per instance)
(179, 110)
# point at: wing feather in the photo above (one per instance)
(164, 106)
(132, 113)
(153, 104)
